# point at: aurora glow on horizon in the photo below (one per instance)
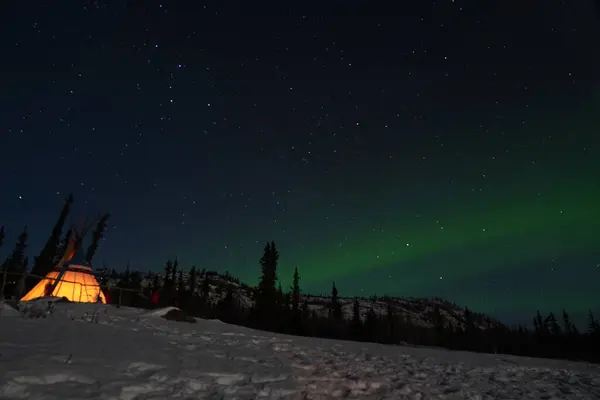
(458, 158)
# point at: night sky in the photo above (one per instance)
(446, 148)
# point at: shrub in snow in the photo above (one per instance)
(36, 309)
(179, 315)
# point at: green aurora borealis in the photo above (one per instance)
(553, 225)
(526, 241)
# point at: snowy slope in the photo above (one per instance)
(419, 312)
(133, 354)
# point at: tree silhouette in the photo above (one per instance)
(205, 290)
(356, 324)
(180, 284)
(193, 280)
(593, 325)
(155, 283)
(552, 324)
(44, 262)
(280, 296)
(97, 235)
(174, 272)
(19, 290)
(2, 236)
(336, 308)
(539, 324)
(14, 266)
(266, 296)
(296, 294)
(15, 261)
(568, 326)
(62, 247)
(167, 276)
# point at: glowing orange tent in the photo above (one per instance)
(77, 283)
(69, 279)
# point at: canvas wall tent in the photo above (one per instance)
(71, 279)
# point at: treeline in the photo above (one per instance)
(287, 311)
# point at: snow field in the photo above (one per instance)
(88, 351)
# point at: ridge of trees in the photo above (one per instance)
(203, 294)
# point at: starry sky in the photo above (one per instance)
(442, 148)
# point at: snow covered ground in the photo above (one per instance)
(135, 354)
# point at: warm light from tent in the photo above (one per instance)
(78, 284)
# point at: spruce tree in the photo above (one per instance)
(44, 262)
(355, 311)
(167, 276)
(568, 326)
(266, 297)
(356, 321)
(552, 325)
(97, 235)
(205, 290)
(125, 280)
(62, 247)
(193, 280)
(155, 283)
(336, 307)
(2, 236)
(296, 293)
(180, 283)
(20, 287)
(593, 325)
(174, 272)
(12, 268)
(538, 324)
(15, 261)
(280, 296)
(135, 280)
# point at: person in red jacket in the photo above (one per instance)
(155, 299)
